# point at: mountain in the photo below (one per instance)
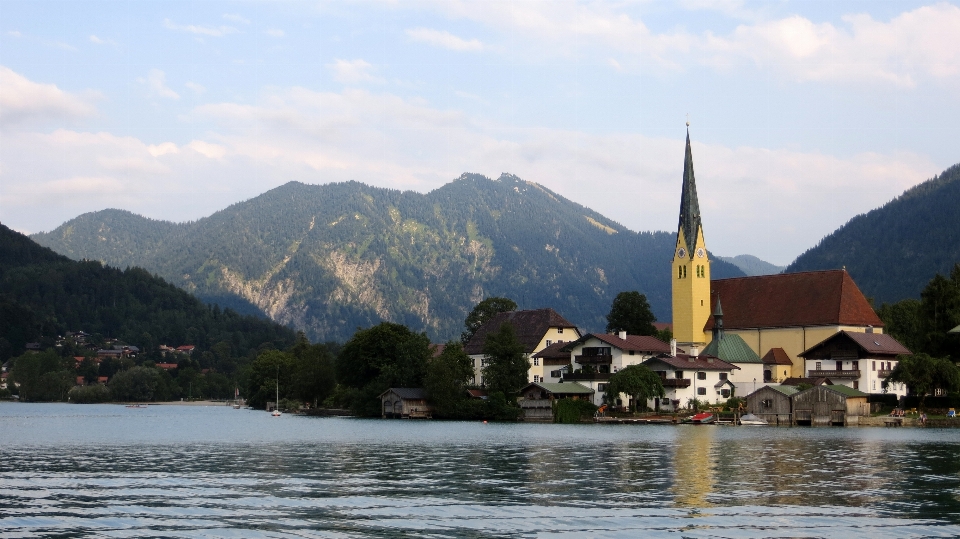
(751, 265)
(43, 294)
(892, 252)
(331, 258)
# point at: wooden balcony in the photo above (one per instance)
(844, 374)
(589, 376)
(675, 382)
(883, 373)
(593, 360)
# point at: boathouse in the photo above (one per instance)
(405, 403)
(773, 404)
(537, 398)
(829, 405)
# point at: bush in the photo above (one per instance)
(572, 411)
(89, 394)
(734, 403)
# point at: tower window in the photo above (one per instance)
(679, 272)
(701, 303)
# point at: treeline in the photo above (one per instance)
(44, 295)
(924, 325)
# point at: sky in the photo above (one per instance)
(802, 115)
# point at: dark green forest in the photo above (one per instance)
(892, 252)
(328, 259)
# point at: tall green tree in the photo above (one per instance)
(378, 358)
(922, 374)
(43, 376)
(314, 370)
(484, 311)
(506, 365)
(271, 372)
(638, 381)
(446, 380)
(631, 312)
(137, 384)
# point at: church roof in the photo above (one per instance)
(814, 298)
(689, 205)
(530, 326)
(776, 356)
(732, 349)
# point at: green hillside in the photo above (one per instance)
(893, 251)
(43, 294)
(330, 258)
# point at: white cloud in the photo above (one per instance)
(237, 18)
(211, 31)
(156, 81)
(353, 71)
(442, 38)
(196, 88)
(23, 101)
(14, 33)
(101, 41)
(275, 32)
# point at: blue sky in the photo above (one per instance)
(802, 114)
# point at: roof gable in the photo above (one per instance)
(635, 343)
(530, 325)
(815, 298)
(776, 356)
(413, 393)
(869, 344)
(732, 349)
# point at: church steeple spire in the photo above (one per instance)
(689, 204)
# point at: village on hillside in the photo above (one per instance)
(799, 349)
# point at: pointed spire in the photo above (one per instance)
(718, 321)
(689, 205)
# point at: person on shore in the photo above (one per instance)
(923, 419)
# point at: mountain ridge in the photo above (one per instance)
(329, 258)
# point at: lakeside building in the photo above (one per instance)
(778, 317)
(595, 357)
(686, 377)
(536, 329)
(858, 360)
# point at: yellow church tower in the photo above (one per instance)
(691, 266)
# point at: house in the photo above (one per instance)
(686, 377)
(167, 366)
(858, 360)
(405, 403)
(109, 353)
(186, 349)
(477, 394)
(555, 360)
(776, 365)
(597, 356)
(772, 403)
(829, 405)
(3, 379)
(536, 329)
(536, 398)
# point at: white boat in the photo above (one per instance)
(276, 408)
(750, 420)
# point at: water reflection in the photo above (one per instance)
(351, 478)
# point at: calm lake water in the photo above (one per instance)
(185, 471)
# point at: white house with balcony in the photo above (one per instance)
(686, 377)
(858, 360)
(597, 356)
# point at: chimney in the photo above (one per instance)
(673, 347)
(694, 351)
(622, 335)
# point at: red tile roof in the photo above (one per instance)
(167, 366)
(683, 362)
(776, 356)
(815, 298)
(637, 343)
(874, 344)
(530, 326)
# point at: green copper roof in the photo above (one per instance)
(689, 205)
(732, 349)
(786, 390)
(564, 388)
(848, 391)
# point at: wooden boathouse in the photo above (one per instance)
(773, 403)
(829, 405)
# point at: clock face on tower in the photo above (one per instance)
(700, 252)
(681, 253)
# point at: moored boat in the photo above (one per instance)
(752, 420)
(702, 418)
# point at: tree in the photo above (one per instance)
(376, 359)
(637, 381)
(43, 376)
(506, 365)
(922, 374)
(314, 371)
(484, 311)
(631, 312)
(270, 373)
(446, 380)
(136, 384)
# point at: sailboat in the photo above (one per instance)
(276, 408)
(236, 398)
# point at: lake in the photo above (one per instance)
(211, 471)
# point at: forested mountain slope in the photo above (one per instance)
(892, 252)
(43, 294)
(330, 258)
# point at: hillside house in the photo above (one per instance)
(597, 356)
(858, 360)
(536, 329)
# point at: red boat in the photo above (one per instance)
(702, 418)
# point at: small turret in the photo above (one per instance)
(718, 321)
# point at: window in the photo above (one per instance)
(678, 374)
(559, 330)
(701, 391)
(767, 403)
(855, 365)
(874, 365)
(874, 385)
(723, 376)
(679, 272)
(725, 393)
(601, 388)
(631, 352)
(819, 366)
(856, 384)
(556, 374)
(701, 376)
(536, 362)
(665, 401)
(536, 378)
(549, 342)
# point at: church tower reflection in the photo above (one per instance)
(693, 466)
